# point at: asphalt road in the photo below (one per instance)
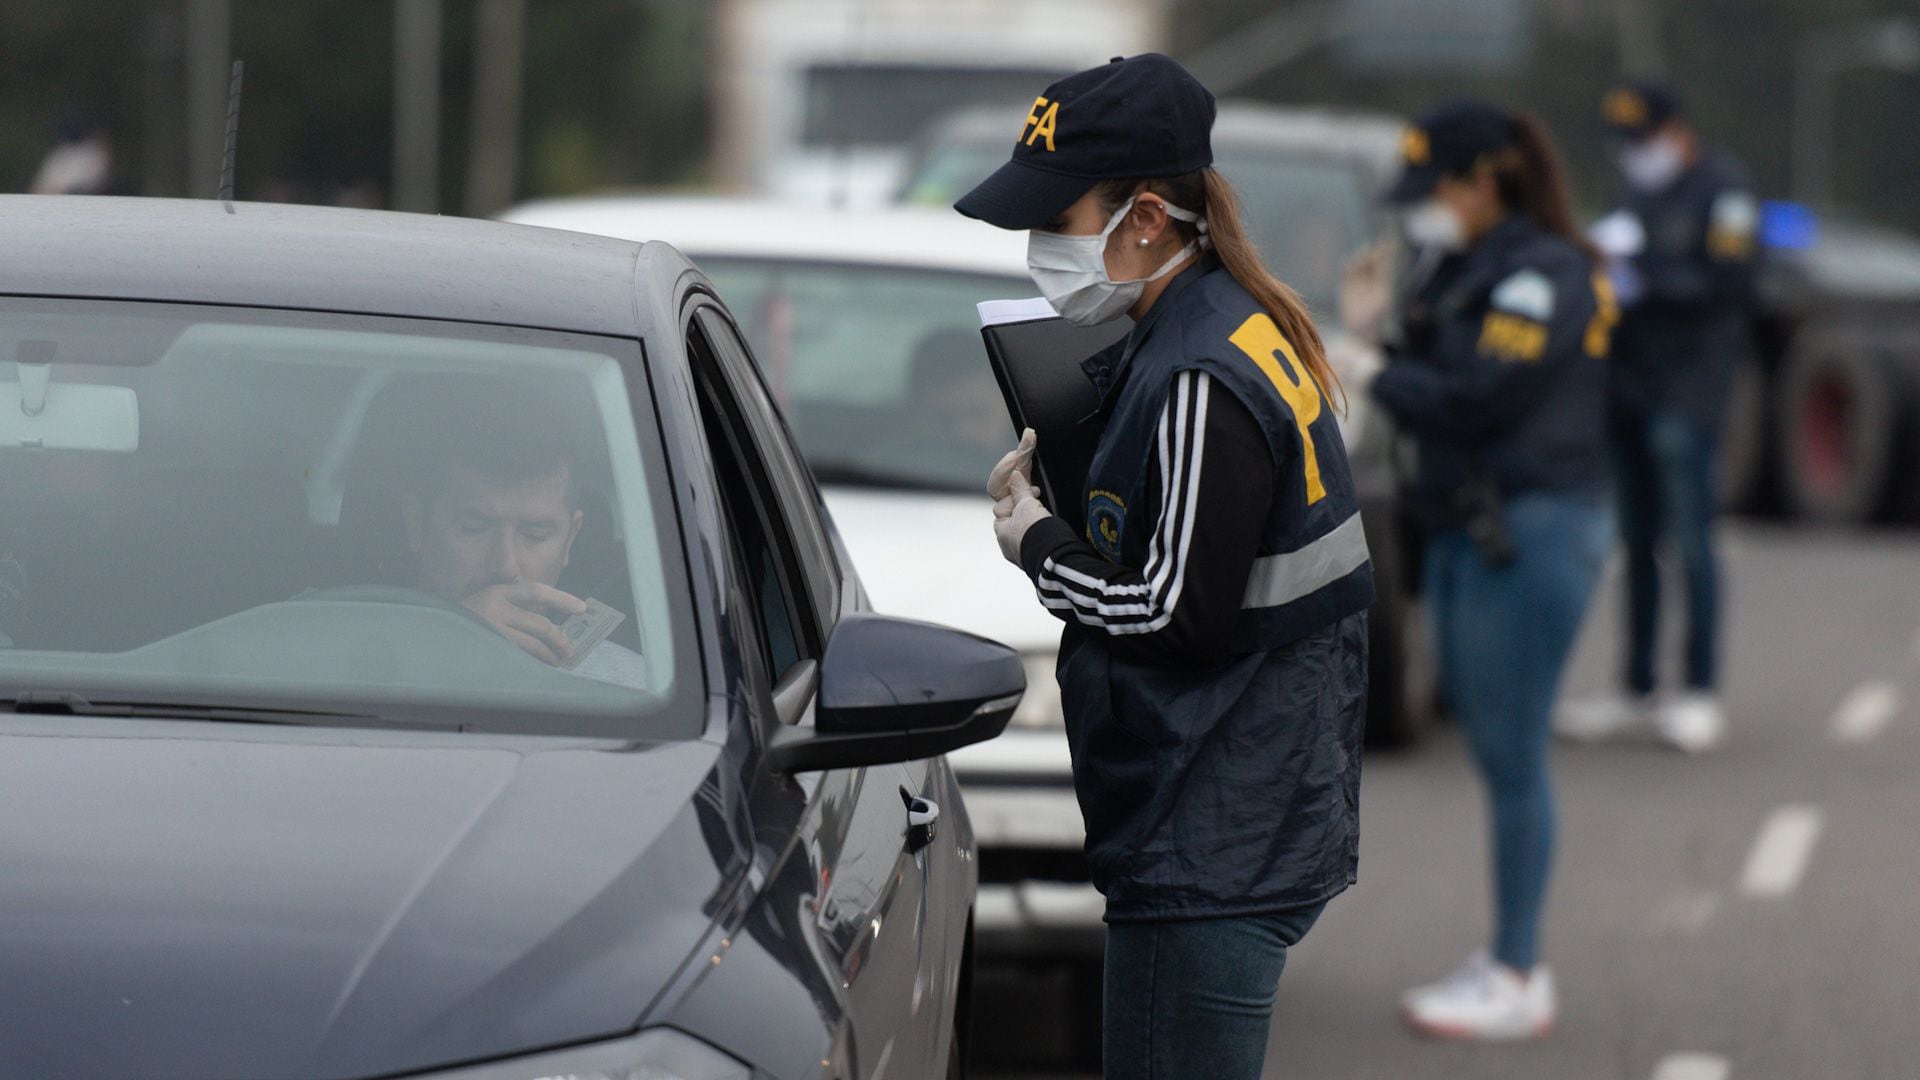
(1750, 914)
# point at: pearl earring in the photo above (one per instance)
(1143, 241)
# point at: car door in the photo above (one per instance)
(871, 914)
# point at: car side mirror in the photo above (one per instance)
(894, 690)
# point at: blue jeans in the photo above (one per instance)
(1194, 998)
(1664, 470)
(1503, 636)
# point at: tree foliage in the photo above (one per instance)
(617, 91)
(614, 92)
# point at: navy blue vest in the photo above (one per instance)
(1312, 567)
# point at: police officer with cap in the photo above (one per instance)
(1682, 246)
(1501, 382)
(1213, 665)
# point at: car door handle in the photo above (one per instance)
(923, 816)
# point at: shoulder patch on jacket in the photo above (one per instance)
(1733, 222)
(1527, 293)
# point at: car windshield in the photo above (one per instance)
(315, 518)
(1306, 214)
(879, 369)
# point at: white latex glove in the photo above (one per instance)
(1021, 509)
(1019, 461)
(1619, 235)
(1366, 291)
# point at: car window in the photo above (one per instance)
(888, 104)
(1307, 214)
(763, 546)
(879, 370)
(787, 472)
(247, 507)
(951, 169)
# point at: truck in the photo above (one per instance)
(820, 100)
(1824, 425)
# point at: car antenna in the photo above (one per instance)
(233, 136)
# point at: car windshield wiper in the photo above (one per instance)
(67, 703)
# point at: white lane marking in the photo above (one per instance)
(1863, 714)
(1687, 912)
(1780, 853)
(1693, 1067)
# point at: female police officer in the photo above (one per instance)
(1213, 665)
(1501, 382)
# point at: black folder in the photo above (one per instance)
(1036, 359)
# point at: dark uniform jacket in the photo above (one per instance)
(1502, 379)
(1680, 339)
(1213, 668)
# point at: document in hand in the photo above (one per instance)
(1036, 359)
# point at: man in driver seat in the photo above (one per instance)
(491, 516)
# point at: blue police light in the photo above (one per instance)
(1788, 226)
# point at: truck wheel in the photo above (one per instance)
(1840, 401)
(1400, 666)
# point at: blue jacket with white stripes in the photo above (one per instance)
(1213, 667)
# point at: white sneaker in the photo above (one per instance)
(1693, 722)
(1603, 717)
(1483, 1000)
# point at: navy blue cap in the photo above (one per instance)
(1137, 117)
(1636, 110)
(1448, 141)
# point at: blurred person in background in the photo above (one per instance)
(81, 161)
(1213, 666)
(1500, 378)
(1681, 250)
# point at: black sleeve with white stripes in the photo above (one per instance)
(1211, 480)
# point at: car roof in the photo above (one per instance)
(718, 227)
(369, 262)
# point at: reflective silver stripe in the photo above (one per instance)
(1282, 579)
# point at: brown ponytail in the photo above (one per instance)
(1531, 181)
(1207, 193)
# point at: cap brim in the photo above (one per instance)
(1415, 184)
(1019, 196)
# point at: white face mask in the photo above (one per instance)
(1653, 164)
(1071, 271)
(1434, 224)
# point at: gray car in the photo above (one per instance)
(299, 784)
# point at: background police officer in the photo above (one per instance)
(1501, 381)
(1213, 665)
(1682, 247)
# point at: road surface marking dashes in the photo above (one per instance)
(1686, 912)
(1864, 713)
(1780, 853)
(1693, 1067)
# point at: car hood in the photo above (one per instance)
(933, 557)
(224, 900)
